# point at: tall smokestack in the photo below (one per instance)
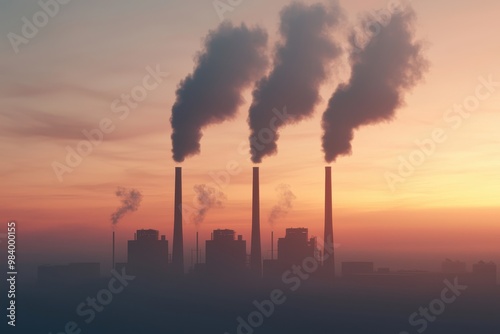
(113, 261)
(329, 261)
(178, 249)
(255, 251)
(272, 245)
(197, 250)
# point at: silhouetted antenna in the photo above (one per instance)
(272, 245)
(113, 256)
(197, 250)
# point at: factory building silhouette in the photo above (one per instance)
(147, 254)
(484, 273)
(226, 255)
(233, 281)
(453, 267)
(292, 250)
(296, 246)
(226, 252)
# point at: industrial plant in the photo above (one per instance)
(226, 258)
(226, 252)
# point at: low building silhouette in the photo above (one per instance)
(453, 267)
(484, 273)
(296, 246)
(292, 250)
(225, 254)
(147, 254)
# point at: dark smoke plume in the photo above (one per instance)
(130, 198)
(389, 65)
(207, 198)
(286, 197)
(301, 64)
(233, 58)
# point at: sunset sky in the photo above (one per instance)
(65, 79)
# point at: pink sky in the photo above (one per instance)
(66, 78)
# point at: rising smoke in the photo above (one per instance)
(301, 64)
(130, 198)
(207, 197)
(388, 66)
(232, 59)
(285, 203)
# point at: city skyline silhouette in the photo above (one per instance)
(250, 167)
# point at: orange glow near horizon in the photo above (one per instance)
(448, 207)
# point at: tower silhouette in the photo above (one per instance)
(329, 260)
(178, 248)
(255, 251)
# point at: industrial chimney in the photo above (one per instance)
(178, 249)
(197, 250)
(113, 255)
(329, 260)
(272, 245)
(255, 251)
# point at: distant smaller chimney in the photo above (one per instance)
(272, 245)
(197, 250)
(113, 258)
